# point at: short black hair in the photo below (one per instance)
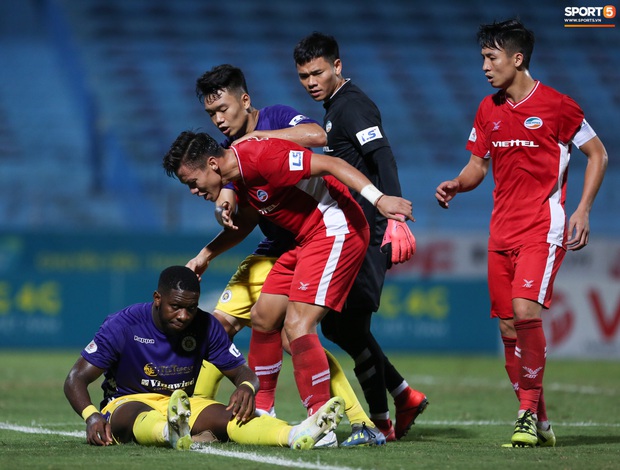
(178, 278)
(221, 77)
(314, 46)
(509, 35)
(190, 149)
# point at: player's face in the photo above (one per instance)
(320, 78)
(202, 182)
(174, 311)
(229, 112)
(499, 67)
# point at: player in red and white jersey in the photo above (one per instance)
(527, 130)
(305, 193)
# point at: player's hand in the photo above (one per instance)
(394, 207)
(199, 264)
(446, 191)
(242, 404)
(224, 214)
(98, 431)
(398, 242)
(578, 230)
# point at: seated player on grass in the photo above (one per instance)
(150, 355)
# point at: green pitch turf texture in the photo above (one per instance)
(471, 414)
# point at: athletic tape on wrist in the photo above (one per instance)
(371, 193)
(245, 382)
(89, 411)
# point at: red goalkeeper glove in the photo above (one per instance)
(398, 242)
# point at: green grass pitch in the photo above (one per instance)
(471, 414)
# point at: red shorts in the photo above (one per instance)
(321, 271)
(526, 272)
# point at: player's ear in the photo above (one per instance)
(518, 59)
(157, 298)
(337, 66)
(246, 101)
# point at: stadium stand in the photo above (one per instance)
(95, 91)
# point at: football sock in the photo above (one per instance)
(265, 359)
(262, 430)
(531, 349)
(311, 371)
(208, 382)
(340, 387)
(370, 373)
(151, 429)
(511, 364)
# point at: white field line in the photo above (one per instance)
(505, 384)
(204, 449)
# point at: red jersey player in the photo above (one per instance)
(527, 130)
(307, 194)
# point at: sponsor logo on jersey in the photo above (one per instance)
(268, 209)
(296, 160)
(303, 285)
(514, 143)
(91, 347)
(226, 296)
(149, 369)
(262, 195)
(188, 343)
(137, 339)
(368, 135)
(533, 122)
(297, 119)
(328, 126)
(472, 135)
(234, 351)
(496, 126)
(326, 149)
(527, 283)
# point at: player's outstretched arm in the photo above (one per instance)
(247, 218)
(307, 135)
(579, 222)
(470, 177)
(81, 375)
(392, 207)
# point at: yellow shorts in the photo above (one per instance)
(159, 403)
(244, 287)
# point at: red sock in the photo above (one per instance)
(311, 371)
(512, 364)
(531, 348)
(265, 359)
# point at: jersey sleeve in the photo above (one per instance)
(364, 127)
(104, 350)
(477, 143)
(281, 117)
(222, 352)
(570, 119)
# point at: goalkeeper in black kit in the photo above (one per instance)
(355, 133)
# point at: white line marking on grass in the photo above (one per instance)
(212, 450)
(254, 457)
(582, 424)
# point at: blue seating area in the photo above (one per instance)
(95, 91)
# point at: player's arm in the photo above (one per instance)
(392, 207)
(470, 177)
(226, 208)
(81, 375)
(241, 402)
(246, 219)
(307, 135)
(579, 222)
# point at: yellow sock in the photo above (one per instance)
(148, 429)
(208, 382)
(263, 430)
(340, 387)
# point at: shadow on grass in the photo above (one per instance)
(586, 440)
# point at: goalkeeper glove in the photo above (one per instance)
(398, 242)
